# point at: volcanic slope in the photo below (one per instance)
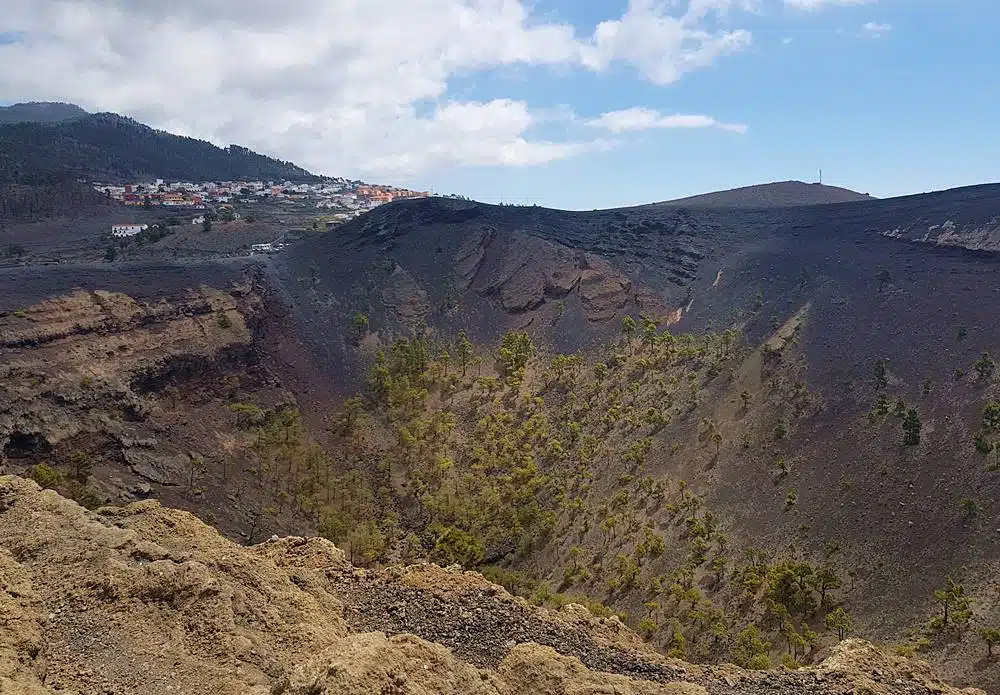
(708, 480)
(850, 316)
(773, 195)
(572, 276)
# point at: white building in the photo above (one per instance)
(127, 230)
(200, 219)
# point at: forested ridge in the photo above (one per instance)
(109, 147)
(20, 203)
(40, 112)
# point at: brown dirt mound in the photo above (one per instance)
(143, 599)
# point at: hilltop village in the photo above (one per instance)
(341, 199)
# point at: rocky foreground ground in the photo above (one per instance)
(145, 599)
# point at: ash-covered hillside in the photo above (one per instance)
(773, 195)
(855, 317)
(723, 425)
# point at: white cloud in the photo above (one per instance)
(642, 118)
(816, 4)
(472, 133)
(874, 30)
(345, 86)
(661, 45)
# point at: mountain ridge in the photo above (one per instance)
(40, 112)
(110, 147)
(774, 194)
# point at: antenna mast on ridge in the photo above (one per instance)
(821, 176)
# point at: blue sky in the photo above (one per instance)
(565, 103)
(912, 110)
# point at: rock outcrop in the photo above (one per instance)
(81, 362)
(121, 400)
(524, 272)
(144, 599)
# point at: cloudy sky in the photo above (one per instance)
(568, 103)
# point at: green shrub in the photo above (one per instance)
(789, 662)
(457, 547)
(648, 627)
(46, 476)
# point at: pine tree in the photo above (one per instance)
(839, 621)
(650, 336)
(629, 328)
(751, 650)
(911, 428)
(954, 603)
(515, 351)
(465, 351)
(991, 636)
(823, 581)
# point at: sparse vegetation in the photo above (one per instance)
(985, 366)
(633, 475)
(515, 351)
(911, 427)
(955, 606)
(840, 622)
(496, 469)
(791, 499)
(46, 476)
(359, 321)
(521, 470)
(881, 374)
(751, 650)
(465, 352)
(81, 466)
(970, 508)
(991, 638)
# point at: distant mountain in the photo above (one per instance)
(40, 112)
(109, 147)
(773, 195)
